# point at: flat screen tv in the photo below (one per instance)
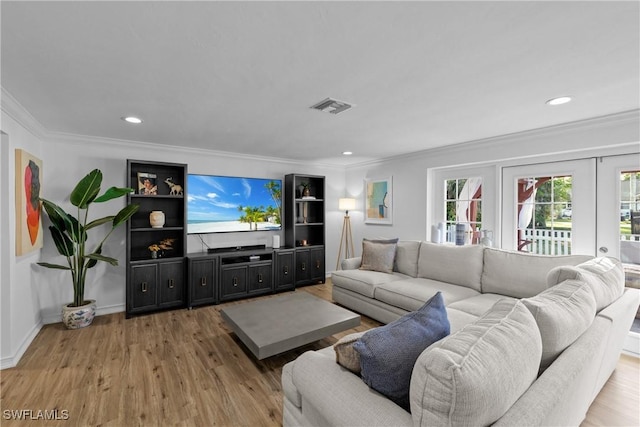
(222, 204)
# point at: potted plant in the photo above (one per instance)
(69, 234)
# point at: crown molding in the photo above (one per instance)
(16, 111)
(616, 119)
(123, 143)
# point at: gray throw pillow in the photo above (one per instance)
(378, 255)
(346, 356)
(388, 353)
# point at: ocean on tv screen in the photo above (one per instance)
(219, 204)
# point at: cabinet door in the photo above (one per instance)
(143, 291)
(260, 278)
(316, 271)
(284, 273)
(302, 266)
(202, 281)
(233, 282)
(171, 284)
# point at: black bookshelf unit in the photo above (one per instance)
(156, 281)
(304, 213)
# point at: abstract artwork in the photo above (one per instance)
(28, 219)
(378, 201)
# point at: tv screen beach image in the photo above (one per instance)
(218, 204)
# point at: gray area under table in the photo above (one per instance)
(274, 325)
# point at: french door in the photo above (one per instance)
(618, 208)
(549, 208)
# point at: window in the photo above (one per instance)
(463, 205)
(544, 215)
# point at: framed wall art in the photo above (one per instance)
(147, 184)
(28, 208)
(378, 201)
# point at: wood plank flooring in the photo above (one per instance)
(186, 368)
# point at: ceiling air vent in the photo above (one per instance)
(332, 106)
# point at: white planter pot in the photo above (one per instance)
(156, 219)
(78, 317)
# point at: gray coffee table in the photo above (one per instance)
(274, 325)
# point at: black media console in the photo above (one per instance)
(225, 274)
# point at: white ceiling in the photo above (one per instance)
(241, 76)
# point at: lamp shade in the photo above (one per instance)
(346, 204)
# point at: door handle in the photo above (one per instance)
(203, 281)
(145, 287)
(171, 284)
(603, 249)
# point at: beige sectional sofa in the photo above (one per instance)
(533, 339)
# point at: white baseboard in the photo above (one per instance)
(632, 344)
(12, 361)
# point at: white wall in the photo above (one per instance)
(20, 307)
(413, 175)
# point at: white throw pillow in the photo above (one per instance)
(604, 275)
(474, 376)
(562, 313)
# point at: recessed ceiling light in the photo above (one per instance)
(132, 119)
(559, 101)
(347, 153)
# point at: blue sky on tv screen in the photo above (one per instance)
(216, 198)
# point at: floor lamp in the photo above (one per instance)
(346, 239)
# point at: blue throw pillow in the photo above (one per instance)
(388, 353)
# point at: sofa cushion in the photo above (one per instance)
(604, 275)
(519, 274)
(388, 353)
(474, 376)
(378, 255)
(459, 319)
(460, 265)
(407, 257)
(363, 282)
(562, 313)
(411, 294)
(346, 355)
(477, 305)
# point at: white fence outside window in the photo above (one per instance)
(548, 242)
(558, 242)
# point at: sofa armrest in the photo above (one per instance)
(351, 263)
(341, 396)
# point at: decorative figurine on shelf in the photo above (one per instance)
(306, 190)
(175, 189)
(157, 249)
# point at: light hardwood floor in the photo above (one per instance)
(186, 368)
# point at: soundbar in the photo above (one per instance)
(235, 249)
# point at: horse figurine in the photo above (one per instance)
(176, 189)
